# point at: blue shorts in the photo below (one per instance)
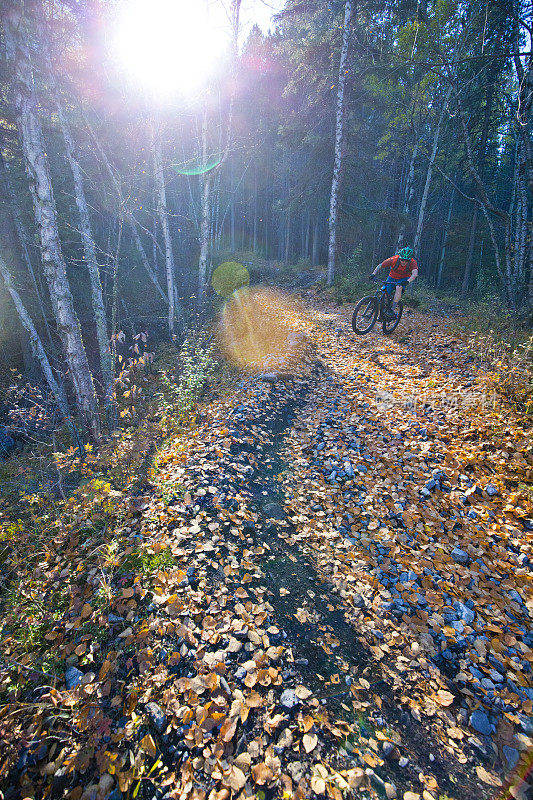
(391, 283)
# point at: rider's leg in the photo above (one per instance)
(396, 299)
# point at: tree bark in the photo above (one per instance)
(423, 202)
(45, 213)
(348, 9)
(205, 217)
(162, 211)
(57, 390)
(89, 251)
(128, 216)
(409, 192)
(482, 158)
(445, 242)
(23, 241)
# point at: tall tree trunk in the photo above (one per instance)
(205, 217)
(162, 211)
(57, 390)
(409, 192)
(14, 206)
(287, 238)
(89, 251)
(45, 213)
(348, 8)
(429, 175)
(482, 159)
(445, 242)
(314, 258)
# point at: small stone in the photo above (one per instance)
(411, 796)
(268, 377)
(511, 756)
(362, 469)
(358, 601)
(289, 699)
(387, 748)
(480, 722)
(491, 489)
(73, 676)
(390, 791)
(274, 510)
(403, 762)
(460, 556)
(157, 716)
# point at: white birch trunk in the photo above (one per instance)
(205, 218)
(89, 251)
(45, 213)
(163, 219)
(39, 353)
(445, 242)
(127, 215)
(423, 202)
(338, 143)
(409, 192)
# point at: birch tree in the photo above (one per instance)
(89, 251)
(348, 10)
(429, 174)
(162, 212)
(53, 261)
(39, 353)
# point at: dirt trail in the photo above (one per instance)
(326, 591)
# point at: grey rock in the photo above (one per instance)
(491, 489)
(114, 618)
(358, 601)
(73, 676)
(514, 595)
(466, 614)
(460, 556)
(362, 469)
(268, 377)
(526, 724)
(387, 748)
(288, 699)
(274, 510)
(511, 756)
(157, 716)
(480, 722)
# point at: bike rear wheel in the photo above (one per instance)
(390, 325)
(365, 315)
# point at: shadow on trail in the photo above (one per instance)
(312, 621)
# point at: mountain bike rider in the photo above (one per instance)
(403, 270)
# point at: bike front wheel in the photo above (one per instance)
(365, 315)
(390, 325)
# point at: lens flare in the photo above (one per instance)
(228, 277)
(196, 167)
(168, 47)
(260, 330)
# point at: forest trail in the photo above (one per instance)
(342, 600)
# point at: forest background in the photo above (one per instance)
(118, 200)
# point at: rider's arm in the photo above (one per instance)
(413, 276)
(377, 268)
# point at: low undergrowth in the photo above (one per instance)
(83, 530)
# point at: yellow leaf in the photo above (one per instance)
(310, 741)
(148, 745)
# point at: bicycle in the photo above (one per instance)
(373, 308)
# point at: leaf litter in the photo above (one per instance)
(313, 621)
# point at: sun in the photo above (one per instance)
(168, 47)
